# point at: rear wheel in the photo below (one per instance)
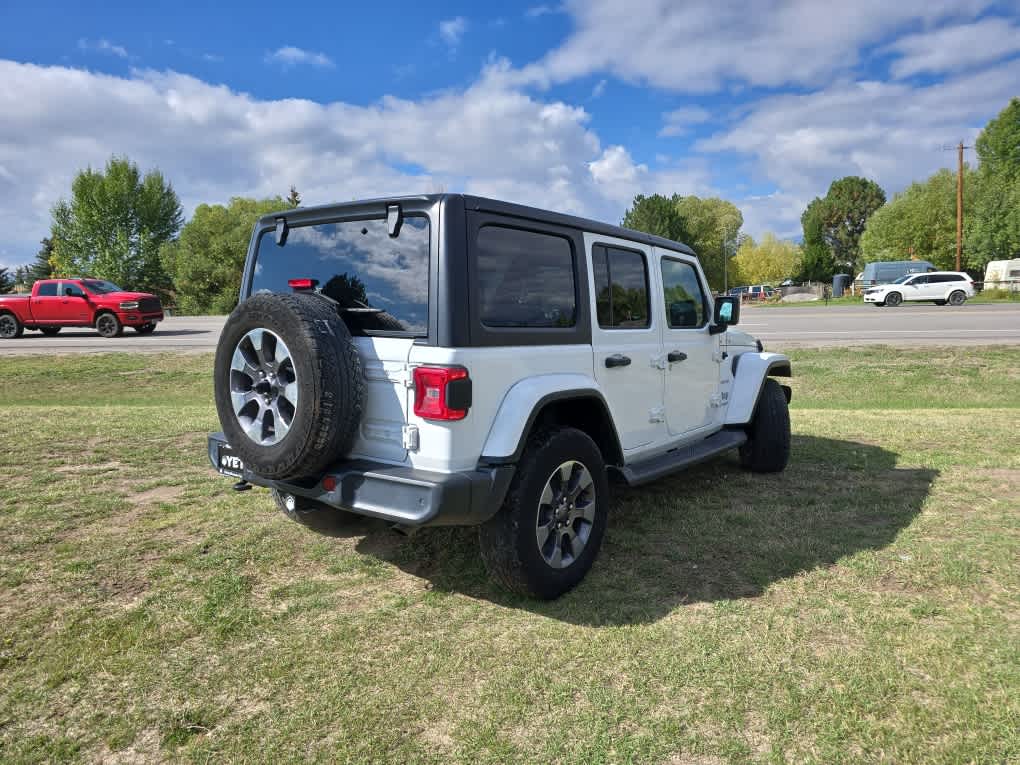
(957, 298)
(545, 538)
(767, 449)
(10, 326)
(50, 331)
(893, 299)
(109, 325)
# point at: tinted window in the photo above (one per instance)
(684, 299)
(49, 289)
(621, 288)
(525, 279)
(75, 289)
(101, 287)
(381, 283)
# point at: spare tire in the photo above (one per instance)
(288, 384)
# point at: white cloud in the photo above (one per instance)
(537, 11)
(452, 30)
(599, 89)
(955, 48)
(213, 143)
(890, 132)
(103, 46)
(704, 45)
(289, 56)
(679, 121)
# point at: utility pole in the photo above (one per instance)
(959, 198)
(959, 204)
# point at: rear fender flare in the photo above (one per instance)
(522, 406)
(750, 370)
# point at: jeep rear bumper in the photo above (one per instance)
(395, 493)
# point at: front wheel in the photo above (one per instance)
(146, 329)
(10, 327)
(767, 449)
(957, 298)
(108, 325)
(544, 539)
(893, 299)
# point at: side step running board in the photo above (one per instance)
(678, 459)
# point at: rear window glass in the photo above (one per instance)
(621, 288)
(525, 278)
(381, 283)
(49, 289)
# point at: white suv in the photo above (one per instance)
(938, 287)
(448, 359)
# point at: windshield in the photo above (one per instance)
(381, 283)
(100, 287)
(903, 279)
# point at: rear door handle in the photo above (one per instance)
(674, 356)
(617, 360)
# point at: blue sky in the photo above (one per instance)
(575, 106)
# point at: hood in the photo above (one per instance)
(125, 296)
(736, 337)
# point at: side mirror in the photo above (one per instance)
(727, 312)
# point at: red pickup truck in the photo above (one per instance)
(57, 303)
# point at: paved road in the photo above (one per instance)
(908, 325)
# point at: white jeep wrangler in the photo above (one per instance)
(449, 359)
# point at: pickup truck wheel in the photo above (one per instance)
(767, 449)
(893, 299)
(145, 329)
(957, 298)
(109, 325)
(288, 383)
(50, 331)
(10, 327)
(546, 536)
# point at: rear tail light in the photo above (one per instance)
(441, 393)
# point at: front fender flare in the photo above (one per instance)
(521, 406)
(750, 371)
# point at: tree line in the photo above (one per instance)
(128, 227)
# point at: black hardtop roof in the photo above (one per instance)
(484, 204)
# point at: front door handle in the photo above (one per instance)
(674, 356)
(617, 360)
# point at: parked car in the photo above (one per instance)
(759, 292)
(939, 287)
(494, 371)
(58, 303)
(888, 271)
(737, 291)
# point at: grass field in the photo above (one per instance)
(862, 606)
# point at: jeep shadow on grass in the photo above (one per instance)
(712, 534)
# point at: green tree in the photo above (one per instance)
(207, 260)
(6, 281)
(993, 231)
(115, 224)
(816, 263)
(920, 221)
(293, 198)
(658, 215)
(844, 215)
(713, 228)
(768, 262)
(42, 266)
(709, 226)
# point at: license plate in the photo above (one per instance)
(229, 463)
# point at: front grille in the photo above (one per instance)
(150, 305)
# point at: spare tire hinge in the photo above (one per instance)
(409, 437)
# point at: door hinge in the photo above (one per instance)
(716, 400)
(658, 362)
(409, 437)
(719, 356)
(657, 414)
